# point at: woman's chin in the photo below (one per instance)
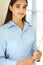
(20, 17)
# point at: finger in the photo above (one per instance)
(37, 53)
(36, 57)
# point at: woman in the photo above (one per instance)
(17, 37)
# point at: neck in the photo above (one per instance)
(18, 22)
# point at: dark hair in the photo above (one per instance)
(9, 13)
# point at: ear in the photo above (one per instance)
(10, 7)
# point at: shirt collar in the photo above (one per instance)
(11, 23)
(26, 25)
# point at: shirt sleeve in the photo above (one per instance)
(3, 60)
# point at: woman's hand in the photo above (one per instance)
(37, 55)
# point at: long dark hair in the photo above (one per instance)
(9, 13)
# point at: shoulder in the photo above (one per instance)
(5, 26)
(3, 29)
(31, 28)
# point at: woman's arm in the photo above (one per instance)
(28, 61)
(36, 56)
(3, 59)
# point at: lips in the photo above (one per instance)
(20, 13)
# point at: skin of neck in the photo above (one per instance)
(18, 22)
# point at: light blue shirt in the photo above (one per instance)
(15, 44)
